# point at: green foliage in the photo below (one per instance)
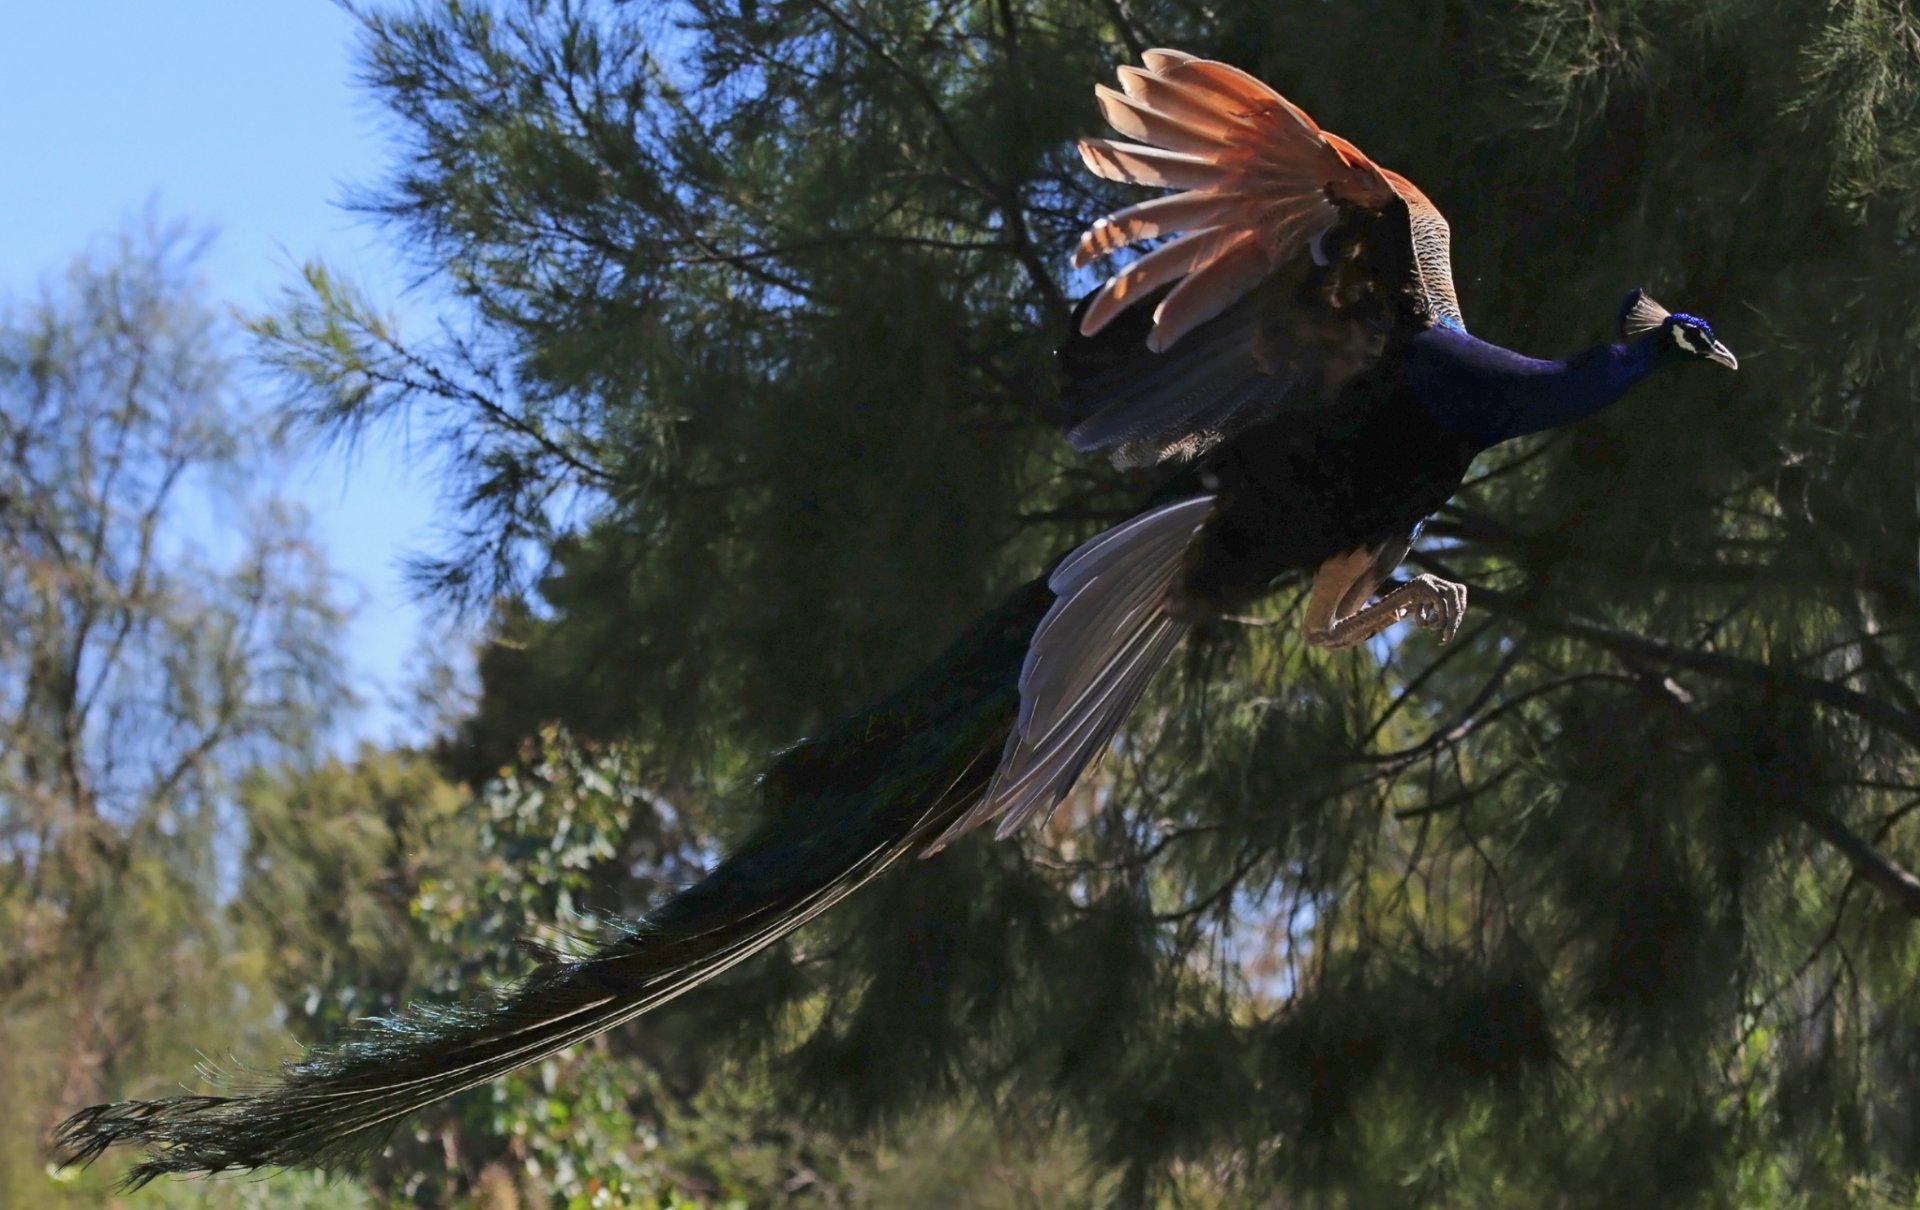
(337, 858)
(567, 831)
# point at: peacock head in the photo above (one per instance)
(1681, 335)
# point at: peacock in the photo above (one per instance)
(1290, 355)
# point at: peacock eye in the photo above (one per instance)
(1692, 339)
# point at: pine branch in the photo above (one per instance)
(1875, 867)
(1882, 872)
(1885, 715)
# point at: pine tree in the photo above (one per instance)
(746, 398)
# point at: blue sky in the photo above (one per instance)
(241, 115)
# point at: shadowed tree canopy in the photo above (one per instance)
(745, 404)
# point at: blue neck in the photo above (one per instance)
(1490, 394)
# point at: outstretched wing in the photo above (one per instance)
(1287, 257)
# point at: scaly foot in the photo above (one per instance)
(1434, 604)
(1441, 606)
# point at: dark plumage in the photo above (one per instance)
(1306, 353)
(1305, 343)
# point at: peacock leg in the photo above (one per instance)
(1339, 614)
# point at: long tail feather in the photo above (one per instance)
(843, 807)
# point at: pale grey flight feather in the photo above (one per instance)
(1090, 660)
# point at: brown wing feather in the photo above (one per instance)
(1229, 321)
(1261, 182)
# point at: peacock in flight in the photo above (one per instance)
(1294, 349)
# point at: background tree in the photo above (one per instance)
(746, 400)
(150, 652)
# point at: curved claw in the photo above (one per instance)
(1432, 603)
(1442, 605)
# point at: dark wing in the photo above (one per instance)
(1291, 258)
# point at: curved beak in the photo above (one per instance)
(1722, 355)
